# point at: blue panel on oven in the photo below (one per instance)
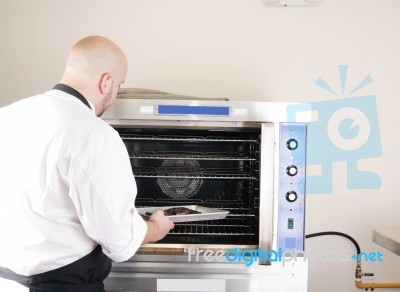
(291, 194)
(193, 110)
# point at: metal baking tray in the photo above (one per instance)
(206, 213)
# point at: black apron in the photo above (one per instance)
(84, 275)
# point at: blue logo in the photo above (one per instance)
(343, 129)
(369, 257)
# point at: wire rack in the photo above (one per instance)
(237, 223)
(212, 228)
(200, 173)
(189, 156)
(188, 139)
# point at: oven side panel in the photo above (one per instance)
(267, 185)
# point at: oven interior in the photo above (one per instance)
(217, 168)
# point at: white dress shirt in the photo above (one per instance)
(66, 185)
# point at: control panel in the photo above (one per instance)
(291, 191)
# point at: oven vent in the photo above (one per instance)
(180, 188)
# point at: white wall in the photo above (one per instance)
(242, 50)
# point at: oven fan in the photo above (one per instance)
(186, 184)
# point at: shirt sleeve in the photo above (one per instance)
(103, 190)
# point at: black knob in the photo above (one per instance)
(292, 144)
(291, 196)
(291, 170)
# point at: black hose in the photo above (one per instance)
(339, 234)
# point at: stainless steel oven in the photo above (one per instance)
(244, 157)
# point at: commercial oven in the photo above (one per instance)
(244, 157)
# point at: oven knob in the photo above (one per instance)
(291, 196)
(292, 144)
(291, 170)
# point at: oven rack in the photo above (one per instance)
(236, 209)
(235, 204)
(211, 228)
(240, 226)
(239, 212)
(188, 156)
(187, 139)
(148, 202)
(191, 173)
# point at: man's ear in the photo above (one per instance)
(105, 82)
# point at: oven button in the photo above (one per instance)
(291, 196)
(292, 144)
(291, 170)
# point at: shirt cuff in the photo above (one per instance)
(139, 230)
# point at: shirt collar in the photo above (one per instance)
(67, 89)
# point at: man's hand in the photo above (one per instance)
(158, 227)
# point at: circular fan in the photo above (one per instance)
(180, 187)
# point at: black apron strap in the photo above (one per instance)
(70, 90)
(84, 275)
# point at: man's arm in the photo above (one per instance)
(158, 227)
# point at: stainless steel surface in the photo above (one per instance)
(144, 273)
(205, 214)
(177, 124)
(267, 184)
(146, 109)
(389, 239)
(147, 93)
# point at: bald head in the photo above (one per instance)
(94, 67)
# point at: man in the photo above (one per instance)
(67, 190)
